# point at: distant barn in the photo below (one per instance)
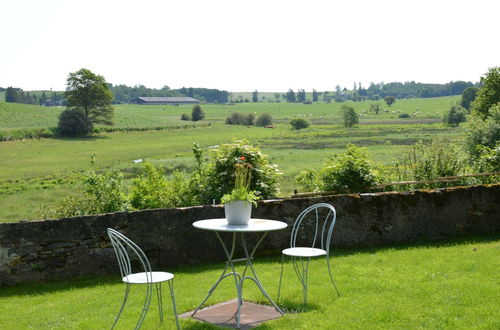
(166, 100)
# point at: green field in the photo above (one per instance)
(36, 171)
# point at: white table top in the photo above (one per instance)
(254, 225)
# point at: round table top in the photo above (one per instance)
(254, 225)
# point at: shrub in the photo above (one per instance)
(483, 132)
(300, 123)
(185, 116)
(216, 176)
(107, 191)
(264, 119)
(348, 172)
(72, 122)
(403, 115)
(429, 161)
(375, 107)
(455, 116)
(197, 113)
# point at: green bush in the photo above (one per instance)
(455, 116)
(197, 113)
(185, 117)
(72, 122)
(483, 132)
(429, 161)
(346, 173)
(403, 115)
(264, 119)
(299, 123)
(216, 176)
(238, 118)
(349, 115)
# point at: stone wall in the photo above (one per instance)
(71, 247)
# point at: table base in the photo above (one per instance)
(224, 314)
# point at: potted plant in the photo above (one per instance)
(238, 204)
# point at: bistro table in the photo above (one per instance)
(218, 226)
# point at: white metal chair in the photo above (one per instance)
(126, 251)
(311, 237)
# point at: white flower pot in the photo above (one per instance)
(238, 213)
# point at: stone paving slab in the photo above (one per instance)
(224, 314)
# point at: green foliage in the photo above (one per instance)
(430, 161)
(255, 96)
(185, 117)
(403, 115)
(219, 173)
(488, 159)
(375, 107)
(264, 119)
(389, 100)
(348, 172)
(468, 97)
(107, 191)
(455, 116)
(242, 180)
(73, 122)
(483, 132)
(90, 94)
(238, 118)
(300, 123)
(350, 116)
(290, 96)
(488, 95)
(153, 190)
(197, 113)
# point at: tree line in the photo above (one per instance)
(126, 94)
(17, 95)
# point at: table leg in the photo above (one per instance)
(255, 278)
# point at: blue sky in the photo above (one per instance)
(269, 45)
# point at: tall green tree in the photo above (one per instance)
(290, 96)
(255, 96)
(315, 96)
(488, 95)
(89, 93)
(350, 116)
(197, 113)
(468, 97)
(389, 100)
(301, 95)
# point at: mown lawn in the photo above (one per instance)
(452, 284)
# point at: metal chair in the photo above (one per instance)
(311, 237)
(126, 250)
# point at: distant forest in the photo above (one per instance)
(125, 94)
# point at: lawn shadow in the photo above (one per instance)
(39, 288)
(82, 138)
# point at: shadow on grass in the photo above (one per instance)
(39, 288)
(82, 138)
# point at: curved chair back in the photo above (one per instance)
(314, 227)
(125, 249)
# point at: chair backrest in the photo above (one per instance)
(314, 227)
(126, 250)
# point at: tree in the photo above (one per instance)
(12, 95)
(301, 95)
(389, 100)
(468, 97)
(73, 122)
(315, 96)
(89, 93)
(375, 107)
(255, 96)
(488, 95)
(455, 116)
(350, 116)
(290, 96)
(197, 113)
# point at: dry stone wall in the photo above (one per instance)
(72, 247)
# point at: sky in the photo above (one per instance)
(236, 45)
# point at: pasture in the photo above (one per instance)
(38, 171)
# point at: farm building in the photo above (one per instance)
(166, 100)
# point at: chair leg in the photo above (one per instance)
(171, 287)
(145, 307)
(331, 276)
(159, 295)
(281, 276)
(127, 290)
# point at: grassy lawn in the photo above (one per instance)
(454, 284)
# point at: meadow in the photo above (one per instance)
(425, 285)
(39, 171)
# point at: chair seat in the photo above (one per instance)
(304, 252)
(140, 278)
